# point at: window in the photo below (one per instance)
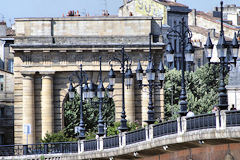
(175, 45)
(1, 112)
(1, 82)
(1, 139)
(199, 62)
(10, 65)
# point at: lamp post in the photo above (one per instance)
(100, 95)
(222, 48)
(184, 34)
(127, 77)
(151, 75)
(88, 92)
(81, 78)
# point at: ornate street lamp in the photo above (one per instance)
(100, 95)
(222, 48)
(83, 94)
(151, 75)
(127, 77)
(182, 32)
(89, 91)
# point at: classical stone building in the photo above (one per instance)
(48, 50)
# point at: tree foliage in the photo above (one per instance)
(201, 87)
(57, 137)
(90, 114)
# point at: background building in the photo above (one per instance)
(6, 85)
(171, 12)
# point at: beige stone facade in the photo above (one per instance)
(48, 50)
(6, 107)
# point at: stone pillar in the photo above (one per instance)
(145, 100)
(130, 103)
(28, 108)
(162, 103)
(233, 89)
(47, 104)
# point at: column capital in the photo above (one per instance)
(47, 72)
(28, 73)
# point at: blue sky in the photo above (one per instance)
(11, 9)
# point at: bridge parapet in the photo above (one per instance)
(182, 130)
(213, 128)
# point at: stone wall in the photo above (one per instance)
(48, 50)
(88, 26)
(61, 63)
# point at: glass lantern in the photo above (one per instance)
(100, 90)
(111, 77)
(150, 71)
(208, 48)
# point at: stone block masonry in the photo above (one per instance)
(48, 50)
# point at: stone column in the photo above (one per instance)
(130, 103)
(162, 103)
(28, 108)
(47, 107)
(145, 100)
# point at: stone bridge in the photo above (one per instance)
(208, 136)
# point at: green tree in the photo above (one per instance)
(90, 114)
(201, 87)
(57, 137)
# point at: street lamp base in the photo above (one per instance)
(80, 137)
(223, 106)
(100, 129)
(150, 122)
(123, 126)
(182, 113)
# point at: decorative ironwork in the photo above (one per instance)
(46, 148)
(165, 128)
(110, 142)
(202, 121)
(233, 118)
(184, 34)
(90, 145)
(135, 136)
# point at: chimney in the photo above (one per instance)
(212, 32)
(125, 2)
(194, 12)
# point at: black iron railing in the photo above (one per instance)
(11, 150)
(198, 122)
(31, 149)
(165, 128)
(110, 142)
(135, 136)
(90, 145)
(202, 121)
(232, 118)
